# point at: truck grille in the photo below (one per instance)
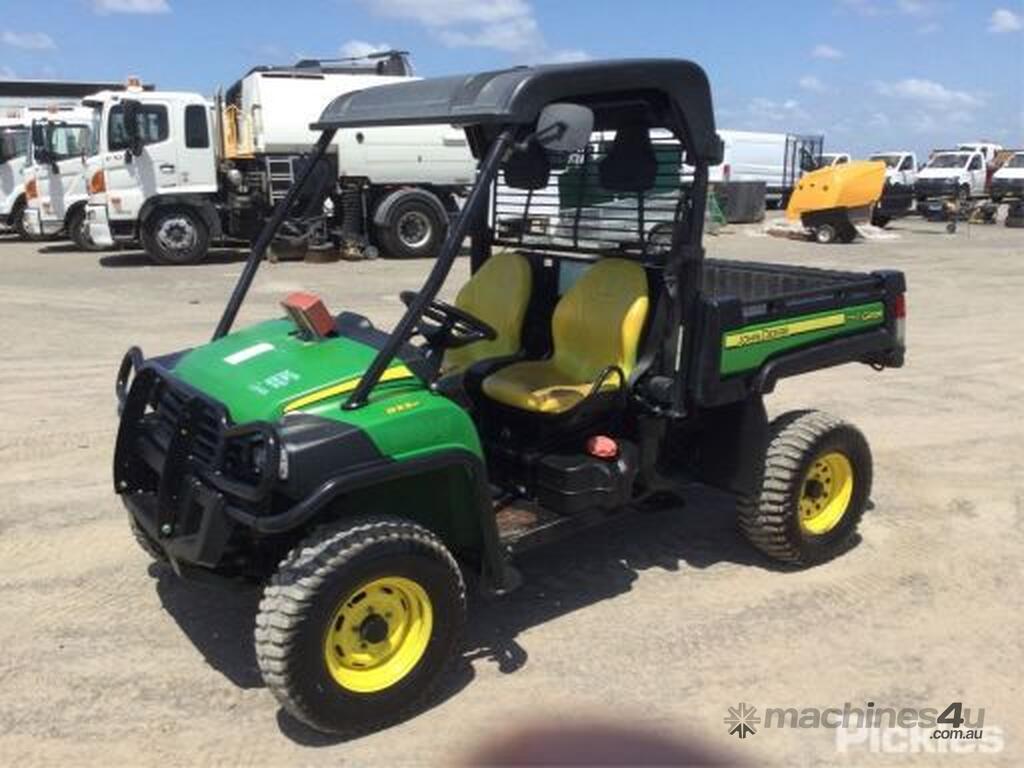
(168, 405)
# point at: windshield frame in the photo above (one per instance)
(966, 158)
(13, 130)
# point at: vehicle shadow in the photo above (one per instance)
(67, 247)
(140, 259)
(600, 564)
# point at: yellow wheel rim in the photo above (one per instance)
(378, 634)
(826, 492)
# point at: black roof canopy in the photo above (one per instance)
(675, 91)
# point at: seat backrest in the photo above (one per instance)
(498, 293)
(599, 320)
(630, 165)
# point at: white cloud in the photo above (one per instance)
(862, 7)
(503, 25)
(823, 51)
(928, 93)
(131, 6)
(879, 120)
(1004, 20)
(357, 49)
(6, 73)
(763, 109)
(32, 41)
(567, 56)
(916, 7)
(811, 83)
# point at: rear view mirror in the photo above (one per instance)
(40, 144)
(131, 126)
(564, 128)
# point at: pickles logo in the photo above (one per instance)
(742, 719)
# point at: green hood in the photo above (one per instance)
(265, 370)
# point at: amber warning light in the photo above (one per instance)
(309, 314)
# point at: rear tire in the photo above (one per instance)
(880, 220)
(413, 229)
(78, 230)
(360, 623)
(815, 488)
(175, 236)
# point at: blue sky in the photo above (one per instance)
(869, 74)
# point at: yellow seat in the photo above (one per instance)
(498, 293)
(596, 324)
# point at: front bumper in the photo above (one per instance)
(926, 189)
(1006, 189)
(99, 227)
(36, 226)
(169, 464)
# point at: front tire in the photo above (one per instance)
(78, 230)
(815, 488)
(413, 229)
(825, 234)
(359, 624)
(176, 236)
(18, 219)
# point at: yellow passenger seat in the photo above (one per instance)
(498, 293)
(596, 325)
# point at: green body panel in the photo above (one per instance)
(747, 348)
(259, 371)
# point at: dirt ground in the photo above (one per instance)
(662, 622)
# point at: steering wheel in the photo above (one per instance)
(450, 326)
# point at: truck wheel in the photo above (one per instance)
(825, 234)
(175, 236)
(359, 624)
(78, 230)
(413, 229)
(18, 219)
(816, 485)
(880, 220)
(145, 541)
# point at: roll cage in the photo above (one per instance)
(499, 112)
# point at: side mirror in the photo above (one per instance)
(564, 128)
(132, 128)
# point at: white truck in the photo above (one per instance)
(828, 159)
(14, 150)
(1008, 181)
(900, 186)
(21, 101)
(55, 181)
(178, 174)
(962, 174)
(777, 159)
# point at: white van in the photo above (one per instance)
(757, 156)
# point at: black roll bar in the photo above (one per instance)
(259, 248)
(477, 198)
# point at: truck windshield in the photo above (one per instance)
(1017, 161)
(891, 161)
(952, 160)
(67, 140)
(13, 143)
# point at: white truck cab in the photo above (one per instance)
(56, 192)
(1008, 181)
(900, 167)
(953, 173)
(988, 150)
(167, 157)
(180, 173)
(828, 159)
(14, 151)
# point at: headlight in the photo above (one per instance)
(258, 458)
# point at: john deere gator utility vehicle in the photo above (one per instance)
(592, 361)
